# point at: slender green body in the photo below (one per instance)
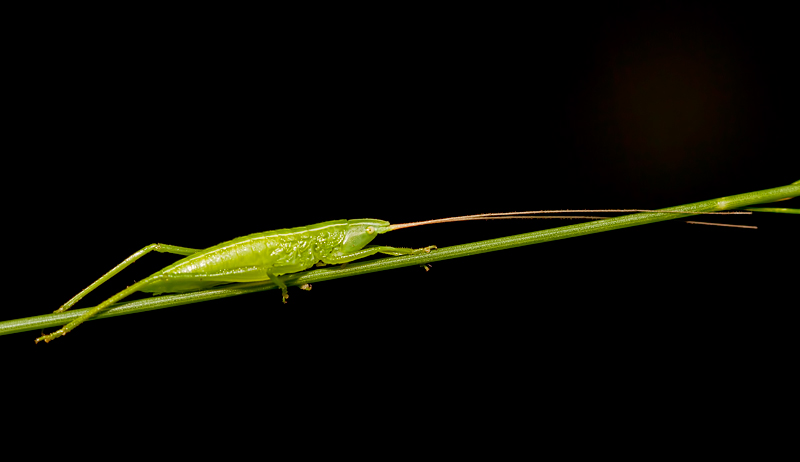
(247, 258)
(256, 257)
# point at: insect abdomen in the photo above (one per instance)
(303, 245)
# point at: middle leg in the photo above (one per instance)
(283, 269)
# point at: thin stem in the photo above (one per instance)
(774, 210)
(354, 269)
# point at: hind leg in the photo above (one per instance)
(119, 296)
(163, 248)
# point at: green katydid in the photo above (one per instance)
(267, 255)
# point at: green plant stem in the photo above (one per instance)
(354, 269)
(773, 210)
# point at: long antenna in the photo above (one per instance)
(721, 224)
(523, 215)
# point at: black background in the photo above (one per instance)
(191, 132)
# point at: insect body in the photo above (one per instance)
(256, 257)
(263, 256)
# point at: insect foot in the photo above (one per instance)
(306, 287)
(425, 249)
(54, 335)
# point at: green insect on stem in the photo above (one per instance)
(266, 256)
(257, 257)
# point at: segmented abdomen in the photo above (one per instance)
(303, 246)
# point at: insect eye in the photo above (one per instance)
(370, 230)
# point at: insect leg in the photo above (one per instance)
(275, 280)
(283, 269)
(119, 296)
(163, 248)
(401, 251)
(372, 250)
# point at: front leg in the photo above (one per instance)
(338, 258)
